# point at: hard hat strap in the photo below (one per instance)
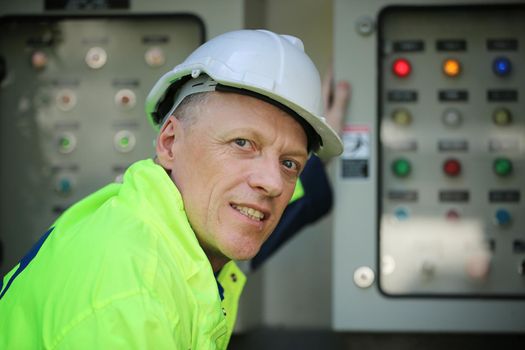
(203, 83)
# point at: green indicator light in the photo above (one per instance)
(124, 141)
(401, 167)
(502, 166)
(65, 142)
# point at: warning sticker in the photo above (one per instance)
(356, 155)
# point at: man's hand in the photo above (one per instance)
(335, 100)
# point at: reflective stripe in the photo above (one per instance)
(26, 260)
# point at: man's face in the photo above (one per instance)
(236, 166)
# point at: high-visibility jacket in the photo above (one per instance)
(121, 269)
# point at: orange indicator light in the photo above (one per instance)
(451, 67)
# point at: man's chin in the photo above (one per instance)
(243, 254)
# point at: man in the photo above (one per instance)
(134, 265)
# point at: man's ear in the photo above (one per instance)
(165, 142)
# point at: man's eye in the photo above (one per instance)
(290, 164)
(241, 142)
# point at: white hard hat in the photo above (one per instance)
(258, 61)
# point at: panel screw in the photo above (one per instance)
(364, 277)
(365, 25)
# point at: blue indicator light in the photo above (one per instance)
(502, 217)
(501, 66)
(401, 214)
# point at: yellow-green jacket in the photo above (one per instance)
(121, 269)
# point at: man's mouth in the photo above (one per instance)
(253, 214)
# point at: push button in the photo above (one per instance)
(401, 68)
(452, 167)
(502, 217)
(66, 143)
(401, 167)
(451, 67)
(501, 66)
(39, 60)
(451, 117)
(402, 117)
(502, 116)
(502, 167)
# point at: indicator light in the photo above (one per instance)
(125, 99)
(401, 214)
(39, 60)
(66, 143)
(452, 215)
(502, 167)
(501, 66)
(502, 116)
(451, 67)
(451, 117)
(64, 186)
(401, 67)
(402, 117)
(96, 57)
(66, 100)
(502, 217)
(452, 167)
(401, 167)
(155, 57)
(124, 141)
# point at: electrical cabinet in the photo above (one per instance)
(429, 230)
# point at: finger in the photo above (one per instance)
(341, 96)
(335, 114)
(328, 87)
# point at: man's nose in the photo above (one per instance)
(266, 176)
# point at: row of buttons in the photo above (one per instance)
(97, 57)
(501, 217)
(451, 67)
(66, 99)
(124, 142)
(452, 117)
(501, 166)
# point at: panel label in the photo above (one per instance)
(409, 45)
(402, 96)
(505, 196)
(452, 145)
(403, 195)
(451, 45)
(453, 95)
(502, 44)
(454, 196)
(502, 95)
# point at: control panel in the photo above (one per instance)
(452, 152)
(72, 115)
(429, 232)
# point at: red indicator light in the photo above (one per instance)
(452, 215)
(401, 67)
(452, 167)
